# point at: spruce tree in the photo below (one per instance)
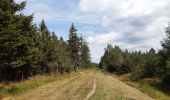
(45, 46)
(85, 53)
(18, 41)
(166, 56)
(74, 47)
(27, 50)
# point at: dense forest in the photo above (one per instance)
(151, 64)
(27, 50)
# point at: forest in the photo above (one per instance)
(27, 50)
(150, 64)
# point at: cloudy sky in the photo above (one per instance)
(131, 24)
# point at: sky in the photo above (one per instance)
(130, 24)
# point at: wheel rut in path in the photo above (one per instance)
(92, 91)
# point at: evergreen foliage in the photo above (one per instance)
(165, 57)
(139, 64)
(26, 50)
(74, 47)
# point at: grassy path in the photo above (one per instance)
(110, 88)
(89, 85)
(93, 90)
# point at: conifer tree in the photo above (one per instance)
(45, 46)
(165, 55)
(26, 50)
(85, 53)
(74, 47)
(18, 41)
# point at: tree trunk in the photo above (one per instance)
(22, 74)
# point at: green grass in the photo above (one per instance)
(19, 88)
(153, 91)
(119, 96)
(145, 87)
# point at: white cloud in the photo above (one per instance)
(139, 24)
(123, 7)
(105, 21)
(131, 24)
(103, 38)
(109, 10)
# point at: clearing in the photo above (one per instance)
(92, 84)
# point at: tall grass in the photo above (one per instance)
(14, 89)
(153, 91)
(147, 88)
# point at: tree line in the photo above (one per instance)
(27, 50)
(141, 64)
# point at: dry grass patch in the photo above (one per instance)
(72, 88)
(19, 88)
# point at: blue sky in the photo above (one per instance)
(131, 24)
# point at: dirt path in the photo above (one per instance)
(110, 88)
(89, 85)
(93, 90)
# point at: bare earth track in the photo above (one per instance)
(93, 90)
(89, 85)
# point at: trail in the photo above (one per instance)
(92, 84)
(93, 90)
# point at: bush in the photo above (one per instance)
(166, 80)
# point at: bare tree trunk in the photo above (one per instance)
(44, 71)
(52, 70)
(57, 70)
(22, 74)
(32, 71)
(22, 78)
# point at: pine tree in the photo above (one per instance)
(18, 40)
(85, 53)
(45, 46)
(27, 50)
(166, 56)
(74, 47)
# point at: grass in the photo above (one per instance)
(153, 91)
(75, 87)
(15, 89)
(105, 88)
(150, 90)
(79, 86)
